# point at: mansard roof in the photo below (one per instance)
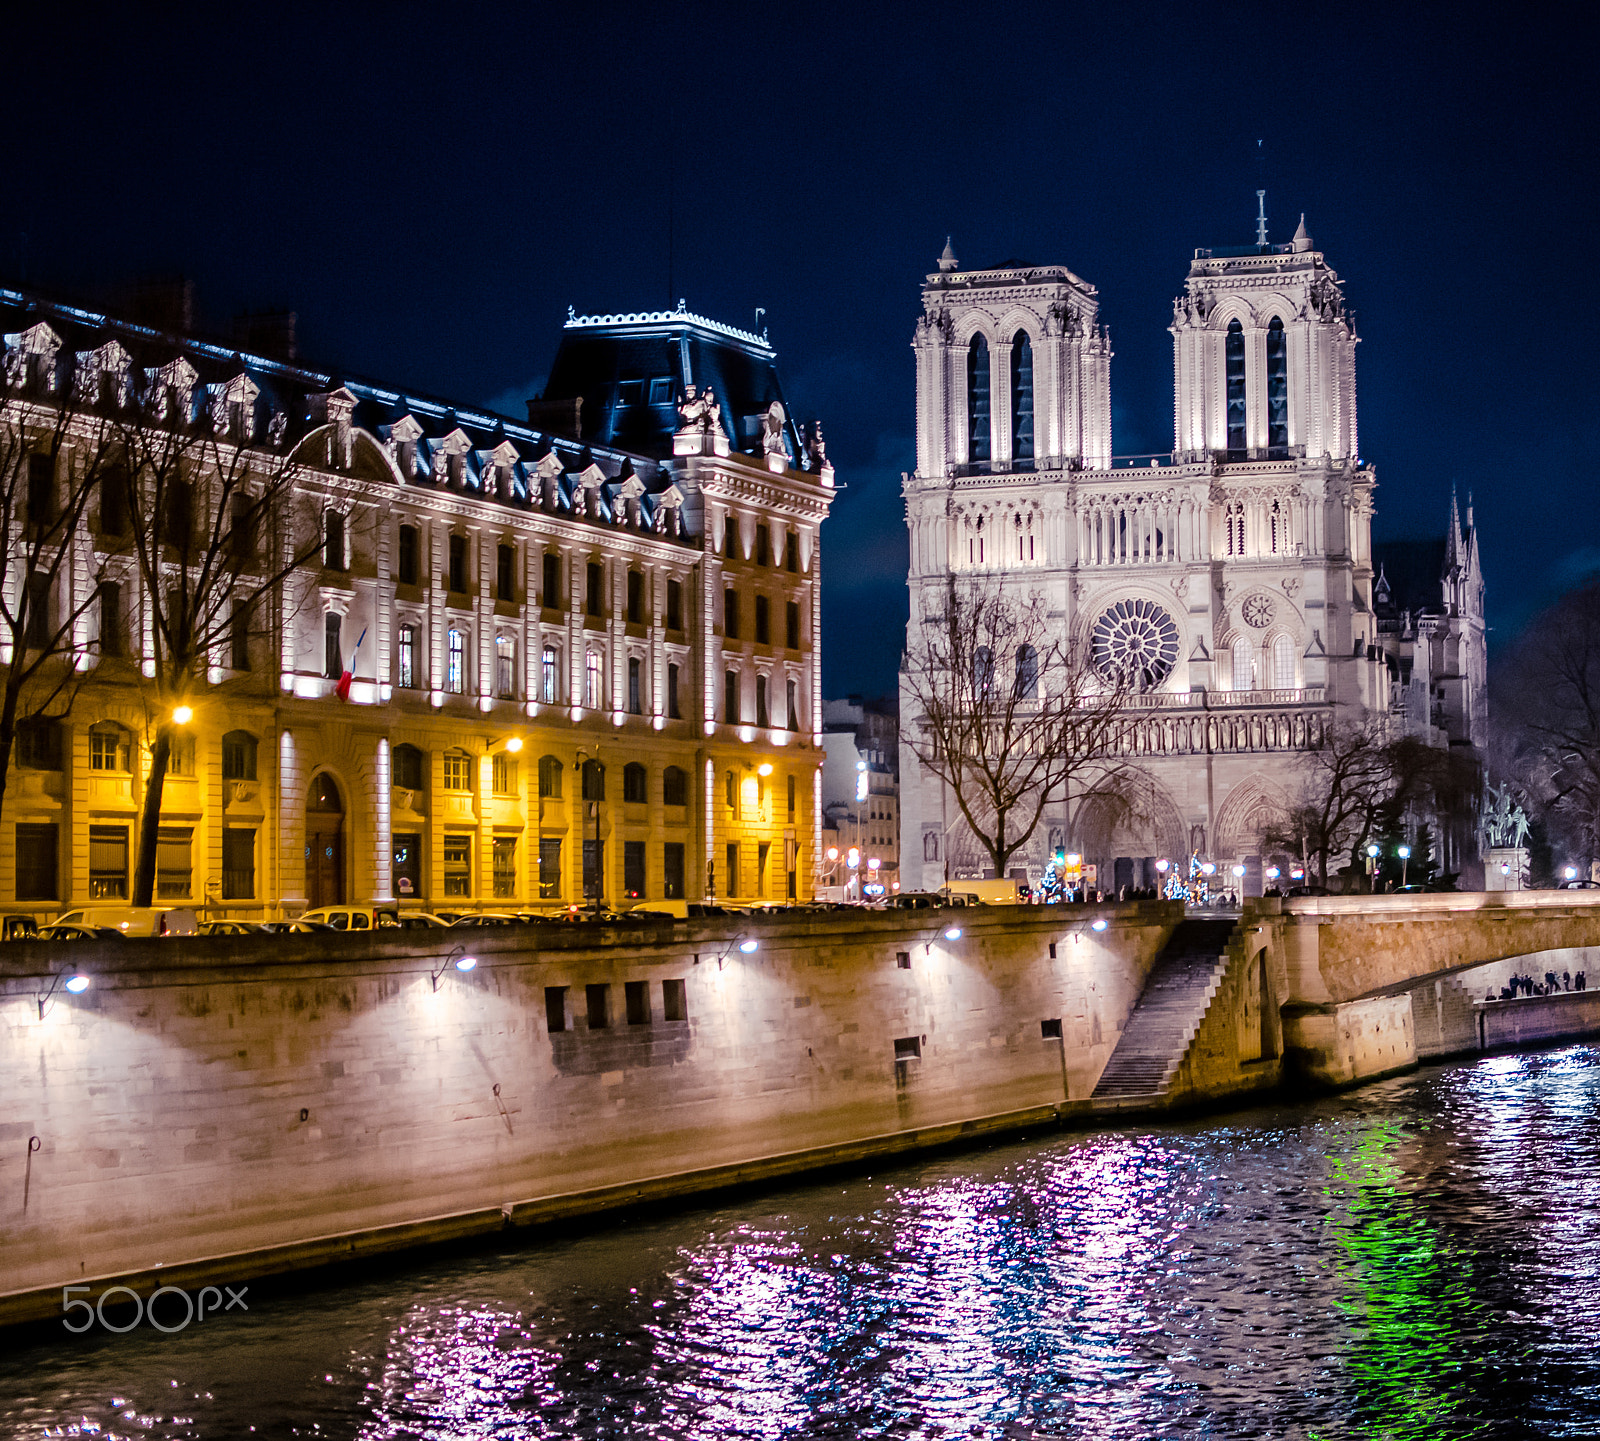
(631, 370)
(285, 402)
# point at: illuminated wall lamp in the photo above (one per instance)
(77, 983)
(1097, 925)
(746, 945)
(462, 963)
(952, 933)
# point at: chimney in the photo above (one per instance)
(163, 302)
(557, 417)
(266, 332)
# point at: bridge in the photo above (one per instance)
(1321, 988)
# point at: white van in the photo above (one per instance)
(353, 918)
(135, 920)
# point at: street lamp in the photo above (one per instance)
(1372, 865)
(182, 715)
(1405, 861)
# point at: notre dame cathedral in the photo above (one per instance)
(1238, 569)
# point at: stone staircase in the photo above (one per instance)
(1164, 1020)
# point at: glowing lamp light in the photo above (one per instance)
(182, 715)
(1372, 850)
(1163, 865)
(833, 853)
(77, 984)
(749, 947)
(952, 933)
(1097, 925)
(1238, 871)
(1505, 868)
(1208, 869)
(1273, 873)
(514, 745)
(1074, 860)
(467, 963)
(1404, 853)
(853, 859)
(764, 769)
(1571, 873)
(1297, 874)
(873, 863)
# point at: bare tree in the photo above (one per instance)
(54, 455)
(213, 536)
(1010, 713)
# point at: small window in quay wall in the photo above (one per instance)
(1050, 1030)
(674, 1001)
(908, 1048)
(637, 996)
(555, 1008)
(599, 1000)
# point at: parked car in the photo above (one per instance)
(411, 921)
(352, 918)
(135, 920)
(72, 931)
(231, 928)
(488, 918)
(296, 927)
(18, 928)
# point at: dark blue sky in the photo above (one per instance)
(430, 189)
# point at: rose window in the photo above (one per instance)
(1137, 640)
(1257, 611)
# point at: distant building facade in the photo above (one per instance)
(642, 619)
(861, 787)
(1239, 567)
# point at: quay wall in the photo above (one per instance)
(212, 1109)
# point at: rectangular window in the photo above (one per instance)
(407, 871)
(763, 544)
(731, 879)
(177, 514)
(672, 693)
(591, 680)
(635, 598)
(504, 771)
(38, 849)
(456, 672)
(761, 700)
(108, 863)
(732, 783)
(791, 552)
(633, 869)
(661, 390)
(410, 568)
(674, 605)
(174, 862)
(332, 650)
(597, 998)
(763, 621)
(458, 563)
(549, 868)
(108, 749)
(505, 867)
(791, 797)
(555, 1008)
(762, 852)
(672, 870)
(794, 714)
(39, 744)
(505, 667)
(552, 581)
(38, 632)
(111, 618)
(594, 589)
(635, 700)
(238, 865)
(333, 549)
(636, 995)
(242, 529)
(791, 625)
(406, 657)
(549, 676)
(594, 860)
(41, 490)
(908, 1048)
(505, 572)
(457, 771)
(114, 501)
(674, 1001)
(730, 697)
(239, 635)
(730, 537)
(458, 865)
(730, 613)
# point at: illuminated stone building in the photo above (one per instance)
(1237, 569)
(590, 667)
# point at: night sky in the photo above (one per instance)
(430, 189)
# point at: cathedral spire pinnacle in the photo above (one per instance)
(1452, 543)
(947, 261)
(1302, 237)
(1261, 219)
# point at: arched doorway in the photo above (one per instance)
(324, 843)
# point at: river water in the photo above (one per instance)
(1418, 1258)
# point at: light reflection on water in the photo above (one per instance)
(1417, 1259)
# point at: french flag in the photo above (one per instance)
(342, 690)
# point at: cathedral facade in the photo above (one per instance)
(1238, 569)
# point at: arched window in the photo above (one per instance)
(110, 748)
(1021, 397)
(635, 784)
(455, 676)
(1234, 355)
(550, 676)
(1243, 665)
(674, 786)
(1277, 392)
(978, 400)
(983, 671)
(1027, 673)
(549, 777)
(238, 756)
(1282, 663)
(410, 772)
